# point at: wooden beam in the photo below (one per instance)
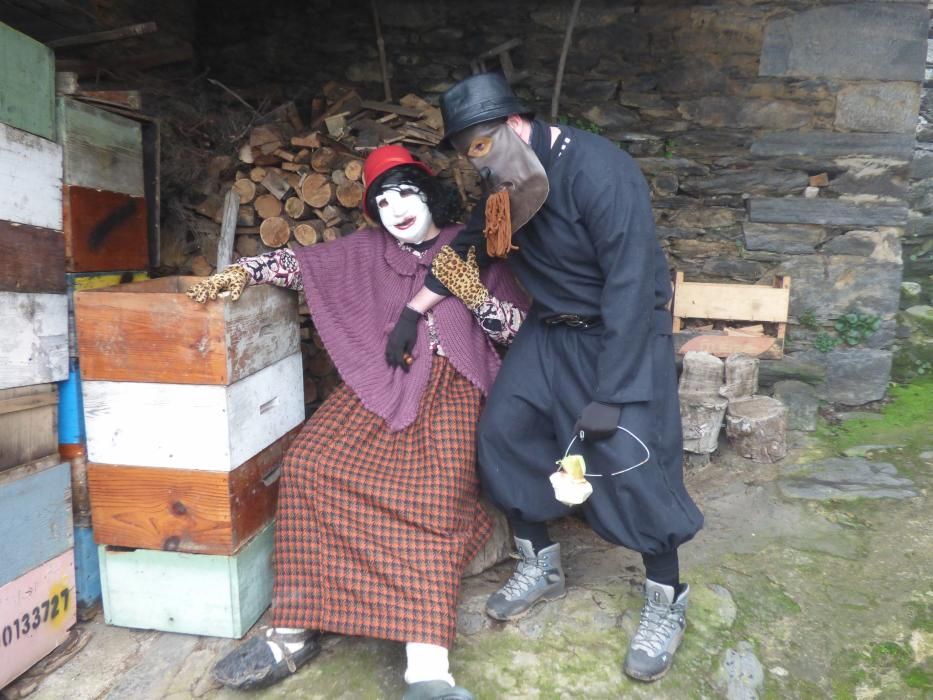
(107, 35)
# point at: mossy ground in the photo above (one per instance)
(837, 602)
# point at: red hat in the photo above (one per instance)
(382, 160)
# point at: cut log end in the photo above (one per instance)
(275, 232)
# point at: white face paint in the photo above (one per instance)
(405, 214)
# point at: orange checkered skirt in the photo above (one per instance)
(374, 528)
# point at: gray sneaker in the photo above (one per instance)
(538, 577)
(660, 631)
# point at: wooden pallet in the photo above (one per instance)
(739, 303)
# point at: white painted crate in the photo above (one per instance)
(193, 426)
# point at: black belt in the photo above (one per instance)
(573, 320)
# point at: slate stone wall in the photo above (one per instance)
(778, 137)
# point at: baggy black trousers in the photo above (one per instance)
(546, 379)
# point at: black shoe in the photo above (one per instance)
(252, 665)
(436, 690)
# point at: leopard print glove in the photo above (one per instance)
(459, 276)
(233, 279)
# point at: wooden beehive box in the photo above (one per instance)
(28, 424)
(186, 510)
(150, 331)
(37, 610)
(27, 84)
(30, 179)
(741, 305)
(35, 516)
(104, 202)
(192, 426)
(218, 596)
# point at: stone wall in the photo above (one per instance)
(914, 347)
(777, 136)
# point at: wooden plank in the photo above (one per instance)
(104, 230)
(102, 150)
(28, 424)
(34, 342)
(35, 515)
(764, 347)
(27, 83)
(89, 38)
(32, 259)
(227, 229)
(185, 426)
(30, 179)
(205, 594)
(152, 332)
(37, 610)
(185, 510)
(730, 302)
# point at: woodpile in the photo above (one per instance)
(299, 183)
(712, 390)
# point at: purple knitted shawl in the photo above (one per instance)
(356, 288)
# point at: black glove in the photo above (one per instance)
(598, 421)
(402, 339)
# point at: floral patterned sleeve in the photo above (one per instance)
(499, 319)
(280, 267)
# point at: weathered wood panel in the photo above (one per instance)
(192, 426)
(30, 179)
(81, 281)
(102, 150)
(731, 302)
(36, 612)
(104, 231)
(151, 332)
(185, 510)
(28, 424)
(35, 515)
(27, 84)
(34, 342)
(32, 259)
(206, 594)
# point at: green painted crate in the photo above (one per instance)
(27, 83)
(205, 594)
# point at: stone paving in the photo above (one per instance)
(812, 579)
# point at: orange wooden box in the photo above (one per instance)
(149, 331)
(185, 510)
(104, 231)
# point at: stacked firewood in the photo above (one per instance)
(299, 185)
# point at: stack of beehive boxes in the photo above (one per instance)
(188, 409)
(106, 243)
(37, 589)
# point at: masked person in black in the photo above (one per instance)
(592, 367)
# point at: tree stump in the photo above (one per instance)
(757, 428)
(701, 406)
(701, 419)
(498, 547)
(702, 374)
(741, 377)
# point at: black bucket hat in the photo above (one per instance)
(479, 98)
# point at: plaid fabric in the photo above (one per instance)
(374, 528)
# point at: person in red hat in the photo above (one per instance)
(378, 508)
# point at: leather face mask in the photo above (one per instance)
(506, 163)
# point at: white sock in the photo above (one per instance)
(427, 662)
(292, 647)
